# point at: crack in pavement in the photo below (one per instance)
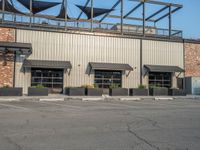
(143, 121)
(153, 122)
(140, 138)
(13, 143)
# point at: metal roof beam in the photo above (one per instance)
(11, 1)
(130, 18)
(158, 3)
(87, 2)
(173, 11)
(115, 5)
(156, 13)
(132, 10)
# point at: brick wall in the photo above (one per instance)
(7, 34)
(6, 70)
(192, 59)
(7, 67)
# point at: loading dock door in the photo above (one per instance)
(50, 78)
(49, 73)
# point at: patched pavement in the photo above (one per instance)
(100, 125)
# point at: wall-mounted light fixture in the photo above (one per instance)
(4, 58)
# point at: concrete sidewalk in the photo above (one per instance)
(89, 98)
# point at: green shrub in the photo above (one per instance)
(87, 86)
(153, 87)
(96, 86)
(142, 86)
(6, 86)
(39, 86)
(156, 87)
(114, 86)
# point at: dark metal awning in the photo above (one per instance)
(22, 48)
(47, 64)
(110, 66)
(160, 68)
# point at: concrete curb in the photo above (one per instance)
(103, 98)
(163, 98)
(187, 97)
(73, 98)
(9, 99)
(130, 99)
(51, 99)
(93, 99)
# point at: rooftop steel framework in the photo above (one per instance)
(65, 22)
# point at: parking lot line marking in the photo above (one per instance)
(52, 103)
(111, 104)
(13, 106)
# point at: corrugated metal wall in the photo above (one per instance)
(162, 53)
(22, 75)
(80, 50)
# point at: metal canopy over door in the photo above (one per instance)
(50, 78)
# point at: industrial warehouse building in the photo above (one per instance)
(65, 55)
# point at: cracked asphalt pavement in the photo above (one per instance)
(100, 125)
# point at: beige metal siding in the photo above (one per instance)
(22, 75)
(80, 50)
(162, 53)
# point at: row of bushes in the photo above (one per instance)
(32, 91)
(125, 92)
(91, 91)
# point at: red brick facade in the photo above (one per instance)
(192, 59)
(7, 34)
(7, 64)
(6, 70)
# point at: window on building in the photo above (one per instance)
(105, 79)
(160, 79)
(50, 78)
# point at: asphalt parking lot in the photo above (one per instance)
(100, 125)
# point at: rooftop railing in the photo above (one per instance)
(52, 23)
